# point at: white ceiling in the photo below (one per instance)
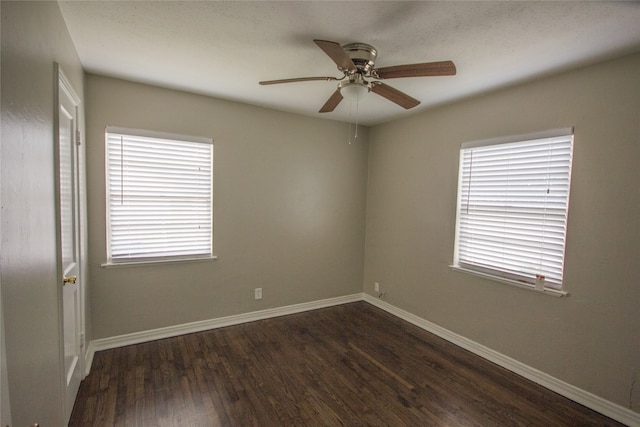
(223, 49)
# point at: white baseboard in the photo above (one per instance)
(612, 410)
(605, 407)
(205, 325)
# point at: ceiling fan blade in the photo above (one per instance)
(337, 54)
(299, 79)
(332, 102)
(394, 95)
(426, 69)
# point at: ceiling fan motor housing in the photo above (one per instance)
(363, 55)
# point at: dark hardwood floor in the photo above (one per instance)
(348, 365)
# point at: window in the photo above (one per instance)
(513, 198)
(159, 196)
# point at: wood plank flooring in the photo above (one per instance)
(349, 365)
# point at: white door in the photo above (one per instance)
(68, 209)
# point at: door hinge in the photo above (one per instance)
(78, 138)
(82, 340)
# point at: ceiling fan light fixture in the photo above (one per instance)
(353, 91)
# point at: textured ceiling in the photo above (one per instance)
(223, 49)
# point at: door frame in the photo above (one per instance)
(63, 83)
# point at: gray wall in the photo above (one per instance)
(591, 338)
(289, 210)
(34, 35)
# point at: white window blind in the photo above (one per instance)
(512, 207)
(159, 196)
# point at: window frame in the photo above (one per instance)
(112, 261)
(503, 276)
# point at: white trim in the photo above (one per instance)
(552, 133)
(63, 82)
(603, 406)
(88, 353)
(160, 135)
(205, 325)
(208, 258)
(527, 286)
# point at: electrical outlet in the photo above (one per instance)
(376, 287)
(258, 293)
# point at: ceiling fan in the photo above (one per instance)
(356, 61)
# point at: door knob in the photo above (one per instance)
(69, 279)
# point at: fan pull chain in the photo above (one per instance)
(355, 136)
(357, 104)
(349, 129)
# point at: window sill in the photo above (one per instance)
(526, 286)
(156, 262)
